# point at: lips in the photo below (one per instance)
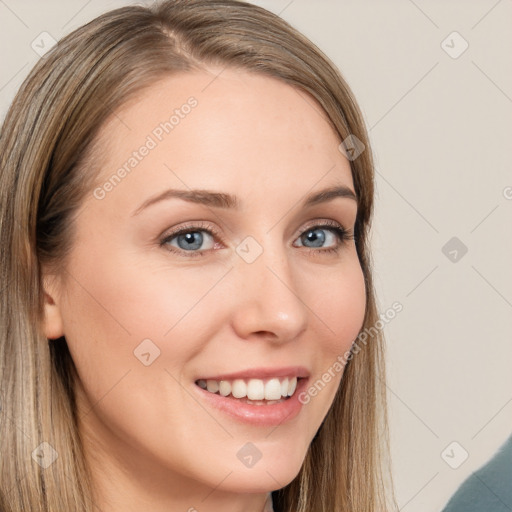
(259, 413)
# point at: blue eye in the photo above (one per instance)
(317, 237)
(198, 239)
(194, 239)
(191, 240)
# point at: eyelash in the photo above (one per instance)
(344, 235)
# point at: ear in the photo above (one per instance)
(53, 326)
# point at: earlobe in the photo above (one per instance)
(53, 327)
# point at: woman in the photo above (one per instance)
(186, 194)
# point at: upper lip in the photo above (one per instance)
(262, 373)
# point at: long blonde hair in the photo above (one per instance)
(46, 165)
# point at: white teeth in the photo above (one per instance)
(273, 390)
(239, 388)
(224, 388)
(292, 385)
(284, 387)
(257, 402)
(264, 402)
(255, 389)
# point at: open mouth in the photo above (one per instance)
(253, 391)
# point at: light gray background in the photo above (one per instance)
(441, 129)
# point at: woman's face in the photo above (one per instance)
(251, 293)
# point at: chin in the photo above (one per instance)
(260, 481)
(269, 473)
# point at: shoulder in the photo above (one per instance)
(488, 488)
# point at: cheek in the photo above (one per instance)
(337, 299)
(114, 316)
(111, 307)
(340, 303)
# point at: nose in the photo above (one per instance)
(266, 302)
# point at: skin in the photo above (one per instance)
(150, 444)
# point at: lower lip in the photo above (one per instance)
(260, 415)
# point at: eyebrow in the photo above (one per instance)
(228, 201)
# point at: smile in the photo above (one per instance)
(252, 391)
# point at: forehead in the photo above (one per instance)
(221, 129)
